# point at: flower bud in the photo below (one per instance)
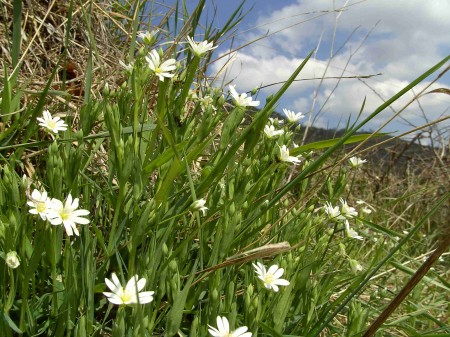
(173, 266)
(165, 250)
(232, 208)
(214, 295)
(12, 260)
(221, 101)
(142, 52)
(106, 90)
(342, 249)
(148, 37)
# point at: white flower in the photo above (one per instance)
(199, 205)
(271, 277)
(352, 233)
(356, 162)
(51, 124)
(356, 267)
(284, 156)
(128, 67)
(131, 294)
(207, 101)
(347, 211)
(271, 132)
(67, 214)
(276, 121)
(148, 37)
(367, 210)
(241, 100)
(160, 69)
(12, 260)
(333, 212)
(223, 329)
(40, 203)
(200, 48)
(292, 116)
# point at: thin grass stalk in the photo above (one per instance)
(17, 33)
(316, 331)
(406, 290)
(317, 163)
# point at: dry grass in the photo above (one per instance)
(44, 42)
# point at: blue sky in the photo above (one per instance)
(399, 39)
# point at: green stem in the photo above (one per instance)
(187, 83)
(53, 261)
(112, 233)
(316, 331)
(12, 291)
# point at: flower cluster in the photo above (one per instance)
(57, 212)
(343, 214)
(165, 69)
(271, 280)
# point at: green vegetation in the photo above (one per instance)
(117, 158)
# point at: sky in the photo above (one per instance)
(392, 41)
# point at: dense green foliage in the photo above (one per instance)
(184, 188)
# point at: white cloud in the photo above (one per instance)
(409, 39)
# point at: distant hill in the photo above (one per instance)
(393, 156)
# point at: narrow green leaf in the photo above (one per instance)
(11, 323)
(17, 32)
(317, 329)
(323, 144)
(176, 312)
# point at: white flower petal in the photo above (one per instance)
(110, 285)
(239, 332)
(281, 282)
(131, 285)
(141, 284)
(272, 269)
(116, 281)
(214, 332)
(278, 273)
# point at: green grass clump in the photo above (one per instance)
(172, 197)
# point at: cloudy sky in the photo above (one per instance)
(395, 40)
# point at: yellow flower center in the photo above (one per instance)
(125, 297)
(64, 215)
(51, 124)
(41, 207)
(157, 70)
(269, 278)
